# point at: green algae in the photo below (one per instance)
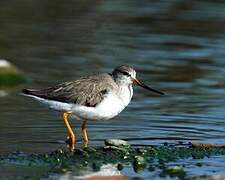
(150, 158)
(139, 164)
(176, 171)
(8, 80)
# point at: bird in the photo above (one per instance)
(101, 96)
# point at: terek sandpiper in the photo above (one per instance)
(96, 97)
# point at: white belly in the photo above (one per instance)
(111, 106)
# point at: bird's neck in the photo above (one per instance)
(119, 81)
(126, 93)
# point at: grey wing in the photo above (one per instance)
(88, 91)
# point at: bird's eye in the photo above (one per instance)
(125, 73)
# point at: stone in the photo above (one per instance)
(9, 74)
(116, 142)
(176, 171)
(139, 164)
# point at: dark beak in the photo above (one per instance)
(139, 83)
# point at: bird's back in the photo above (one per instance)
(87, 91)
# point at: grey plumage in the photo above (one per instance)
(88, 91)
(91, 90)
(124, 69)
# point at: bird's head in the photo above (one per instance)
(126, 75)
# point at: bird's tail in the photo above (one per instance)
(28, 92)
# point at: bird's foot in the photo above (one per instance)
(85, 144)
(70, 141)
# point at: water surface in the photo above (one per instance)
(176, 46)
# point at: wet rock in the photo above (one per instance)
(116, 142)
(139, 164)
(3, 93)
(110, 148)
(120, 167)
(176, 171)
(9, 74)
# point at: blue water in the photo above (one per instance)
(176, 47)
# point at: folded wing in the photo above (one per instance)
(88, 91)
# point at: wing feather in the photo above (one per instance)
(88, 91)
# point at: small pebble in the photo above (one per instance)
(139, 163)
(119, 167)
(4, 63)
(116, 142)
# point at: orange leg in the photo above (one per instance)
(71, 136)
(84, 133)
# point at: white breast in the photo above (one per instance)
(125, 94)
(111, 106)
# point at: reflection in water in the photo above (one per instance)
(176, 46)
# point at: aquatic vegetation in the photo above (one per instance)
(150, 158)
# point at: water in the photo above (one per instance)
(176, 46)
